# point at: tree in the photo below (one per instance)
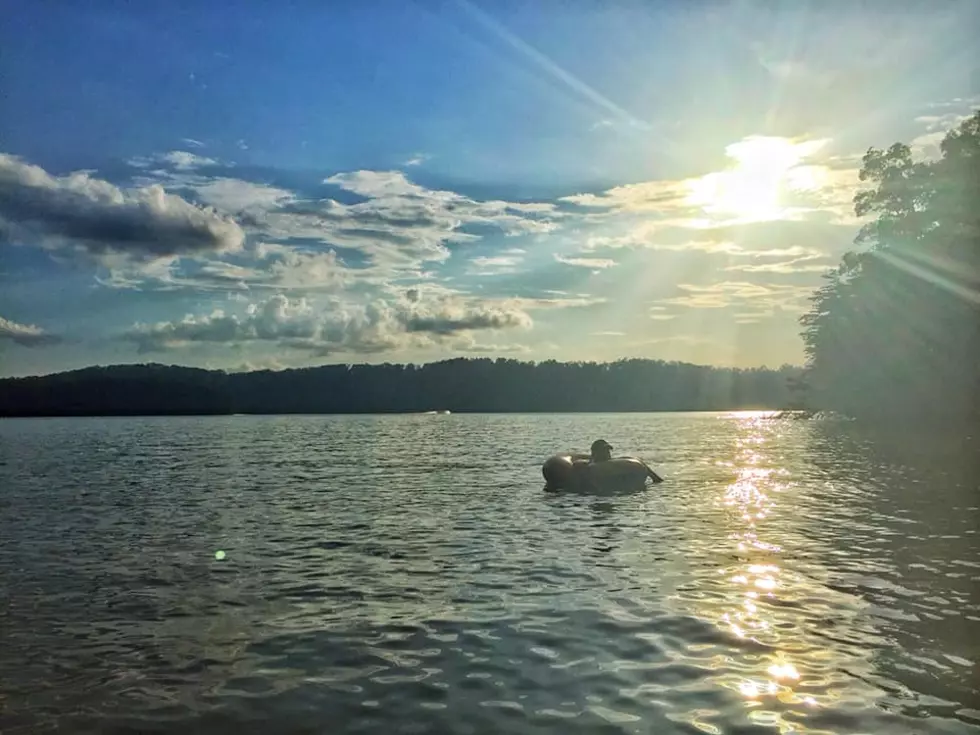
(895, 329)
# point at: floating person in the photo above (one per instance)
(597, 471)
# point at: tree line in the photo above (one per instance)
(459, 385)
(894, 331)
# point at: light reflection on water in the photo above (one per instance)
(356, 574)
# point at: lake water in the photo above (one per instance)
(406, 574)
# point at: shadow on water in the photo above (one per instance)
(911, 528)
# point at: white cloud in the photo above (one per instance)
(593, 263)
(271, 266)
(494, 265)
(417, 159)
(103, 220)
(184, 160)
(496, 261)
(401, 225)
(340, 327)
(179, 160)
(26, 335)
(645, 196)
(236, 196)
(399, 228)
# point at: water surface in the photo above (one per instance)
(406, 574)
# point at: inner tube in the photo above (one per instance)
(577, 472)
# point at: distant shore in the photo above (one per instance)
(453, 386)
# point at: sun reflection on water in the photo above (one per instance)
(756, 583)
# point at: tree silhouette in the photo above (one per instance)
(484, 385)
(894, 332)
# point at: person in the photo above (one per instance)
(601, 451)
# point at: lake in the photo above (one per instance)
(406, 574)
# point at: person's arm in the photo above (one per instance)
(653, 475)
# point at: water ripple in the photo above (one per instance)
(399, 573)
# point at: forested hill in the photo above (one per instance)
(477, 385)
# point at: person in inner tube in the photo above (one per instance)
(600, 451)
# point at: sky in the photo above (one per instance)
(299, 183)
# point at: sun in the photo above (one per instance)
(755, 188)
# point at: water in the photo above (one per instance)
(406, 574)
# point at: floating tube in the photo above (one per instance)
(577, 472)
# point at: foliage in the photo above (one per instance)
(482, 385)
(894, 332)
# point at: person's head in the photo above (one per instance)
(601, 450)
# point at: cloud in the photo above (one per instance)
(768, 178)
(180, 160)
(460, 319)
(416, 159)
(772, 239)
(648, 195)
(796, 265)
(395, 199)
(236, 196)
(377, 326)
(594, 263)
(26, 335)
(398, 227)
(192, 142)
(269, 266)
(558, 302)
(494, 265)
(926, 145)
(750, 300)
(103, 220)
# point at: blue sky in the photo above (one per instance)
(298, 183)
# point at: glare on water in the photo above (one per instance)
(400, 572)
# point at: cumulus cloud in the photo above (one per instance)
(398, 227)
(26, 335)
(237, 196)
(450, 319)
(103, 220)
(377, 326)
